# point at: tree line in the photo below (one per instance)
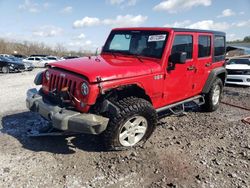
(246, 39)
(28, 48)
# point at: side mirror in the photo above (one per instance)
(178, 57)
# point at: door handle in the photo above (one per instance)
(208, 64)
(190, 68)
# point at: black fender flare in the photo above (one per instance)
(215, 73)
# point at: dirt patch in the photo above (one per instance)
(196, 150)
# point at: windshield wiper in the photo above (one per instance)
(113, 53)
(136, 56)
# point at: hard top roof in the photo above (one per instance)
(174, 29)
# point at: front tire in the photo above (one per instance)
(5, 69)
(131, 125)
(213, 97)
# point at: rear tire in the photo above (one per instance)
(5, 70)
(213, 97)
(131, 125)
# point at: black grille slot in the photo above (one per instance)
(74, 88)
(234, 80)
(237, 72)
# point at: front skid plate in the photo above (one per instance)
(49, 131)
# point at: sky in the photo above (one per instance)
(85, 24)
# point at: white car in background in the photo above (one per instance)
(37, 61)
(238, 71)
(51, 59)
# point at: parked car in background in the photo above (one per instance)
(20, 56)
(28, 66)
(38, 55)
(8, 65)
(36, 61)
(70, 57)
(51, 59)
(238, 71)
(5, 55)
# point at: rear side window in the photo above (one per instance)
(183, 43)
(204, 46)
(219, 47)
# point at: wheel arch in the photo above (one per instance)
(216, 73)
(118, 93)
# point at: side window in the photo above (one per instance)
(183, 43)
(37, 59)
(204, 49)
(219, 47)
(31, 58)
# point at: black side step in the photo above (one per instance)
(200, 98)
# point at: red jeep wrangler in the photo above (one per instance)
(140, 73)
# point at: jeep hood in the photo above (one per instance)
(108, 67)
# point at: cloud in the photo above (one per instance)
(86, 22)
(119, 21)
(204, 24)
(82, 44)
(116, 2)
(67, 9)
(29, 6)
(127, 20)
(232, 37)
(123, 3)
(226, 13)
(47, 31)
(179, 24)
(81, 36)
(210, 25)
(46, 5)
(245, 23)
(173, 6)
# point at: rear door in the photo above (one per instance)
(178, 82)
(203, 60)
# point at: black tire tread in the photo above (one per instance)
(208, 106)
(128, 106)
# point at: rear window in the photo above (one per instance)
(204, 46)
(183, 43)
(219, 47)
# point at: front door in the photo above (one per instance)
(178, 82)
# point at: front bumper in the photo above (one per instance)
(16, 68)
(243, 80)
(63, 119)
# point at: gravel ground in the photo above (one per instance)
(196, 150)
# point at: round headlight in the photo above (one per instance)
(47, 75)
(85, 88)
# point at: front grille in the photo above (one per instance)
(237, 72)
(234, 80)
(58, 82)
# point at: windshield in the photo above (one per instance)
(141, 43)
(239, 61)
